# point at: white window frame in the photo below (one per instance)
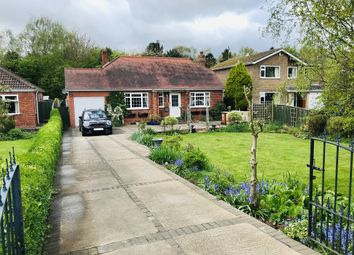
(206, 99)
(263, 68)
(263, 94)
(129, 95)
(296, 70)
(161, 96)
(17, 102)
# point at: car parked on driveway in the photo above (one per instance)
(95, 121)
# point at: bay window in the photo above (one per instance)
(270, 71)
(136, 100)
(12, 103)
(199, 99)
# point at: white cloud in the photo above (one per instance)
(131, 24)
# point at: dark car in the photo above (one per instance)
(95, 121)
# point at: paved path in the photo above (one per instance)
(113, 200)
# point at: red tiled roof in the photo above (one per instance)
(15, 82)
(131, 73)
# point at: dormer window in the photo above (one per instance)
(292, 72)
(271, 72)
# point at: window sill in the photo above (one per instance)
(134, 109)
(270, 78)
(199, 106)
(13, 114)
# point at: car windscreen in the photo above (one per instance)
(93, 115)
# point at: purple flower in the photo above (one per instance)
(179, 162)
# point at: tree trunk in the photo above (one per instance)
(253, 163)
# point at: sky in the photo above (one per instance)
(129, 25)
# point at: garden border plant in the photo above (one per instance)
(38, 167)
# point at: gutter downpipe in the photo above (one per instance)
(37, 107)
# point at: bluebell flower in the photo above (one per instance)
(207, 182)
(216, 187)
(179, 162)
(195, 168)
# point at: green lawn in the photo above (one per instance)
(21, 146)
(277, 154)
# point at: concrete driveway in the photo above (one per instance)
(113, 200)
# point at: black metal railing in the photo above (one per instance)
(330, 210)
(11, 221)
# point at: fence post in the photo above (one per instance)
(312, 149)
(16, 194)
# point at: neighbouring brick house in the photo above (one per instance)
(152, 86)
(22, 98)
(271, 70)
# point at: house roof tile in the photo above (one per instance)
(15, 82)
(143, 73)
(251, 59)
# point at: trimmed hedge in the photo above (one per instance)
(37, 178)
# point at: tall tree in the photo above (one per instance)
(154, 49)
(326, 28)
(210, 60)
(225, 55)
(174, 53)
(234, 90)
(246, 51)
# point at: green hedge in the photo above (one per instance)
(37, 179)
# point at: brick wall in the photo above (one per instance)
(143, 114)
(27, 118)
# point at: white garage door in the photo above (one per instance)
(82, 103)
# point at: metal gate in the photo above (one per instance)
(11, 221)
(330, 210)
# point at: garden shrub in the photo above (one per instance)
(234, 117)
(194, 159)
(164, 155)
(273, 127)
(6, 124)
(239, 127)
(339, 125)
(16, 133)
(316, 123)
(297, 230)
(143, 138)
(170, 121)
(217, 110)
(172, 141)
(37, 175)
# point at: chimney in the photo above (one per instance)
(104, 57)
(201, 59)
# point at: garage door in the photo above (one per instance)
(82, 103)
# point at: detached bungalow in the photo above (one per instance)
(21, 97)
(151, 85)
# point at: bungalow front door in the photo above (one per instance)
(175, 104)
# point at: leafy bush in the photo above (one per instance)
(148, 131)
(143, 138)
(6, 124)
(316, 123)
(164, 155)
(343, 126)
(194, 159)
(172, 141)
(297, 230)
(234, 117)
(273, 128)
(239, 127)
(217, 110)
(170, 121)
(37, 175)
(16, 133)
